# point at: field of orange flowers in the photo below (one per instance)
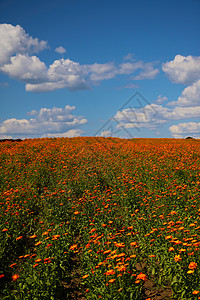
(100, 218)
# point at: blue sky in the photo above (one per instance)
(108, 68)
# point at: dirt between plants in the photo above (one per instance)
(150, 290)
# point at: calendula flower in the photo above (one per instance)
(192, 265)
(195, 292)
(111, 280)
(142, 276)
(85, 276)
(38, 243)
(133, 244)
(73, 247)
(109, 272)
(177, 258)
(15, 277)
(33, 236)
(168, 237)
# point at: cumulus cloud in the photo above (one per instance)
(148, 72)
(69, 133)
(161, 99)
(53, 122)
(60, 50)
(190, 96)
(14, 40)
(106, 133)
(63, 73)
(183, 129)
(153, 115)
(26, 68)
(17, 61)
(183, 69)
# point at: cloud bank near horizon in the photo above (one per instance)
(54, 122)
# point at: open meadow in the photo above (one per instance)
(100, 218)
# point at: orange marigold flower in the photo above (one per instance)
(195, 292)
(121, 268)
(171, 249)
(35, 265)
(192, 265)
(142, 276)
(11, 266)
(120, 245)
(111, 280)
(1, 276)
(5, 229)
(121, 255)
(38, 243)
(73, 247)
(15, 277)
(19, 238)
(107, 251)
(133, 243)
(33, 236)
(137, 281)
(109, 272)
(177, 258)
(190, 271)
(168, 237)
(45, 233)
(85, 276)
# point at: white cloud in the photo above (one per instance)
(183, 129)
(129, 56)
(60, 50)
(161, 99)
(99, 72)
(183, 69)
(26, 68)
(2, 137)
(148, 72)
(128, 86)
(153, 115)
(130, 67)
(14, 40)
(69, 133)
(190, 96)
(16, 60)
(106, 133)
(55, 121)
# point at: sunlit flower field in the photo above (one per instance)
(100, 218)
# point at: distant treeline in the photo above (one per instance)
(10, 140)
